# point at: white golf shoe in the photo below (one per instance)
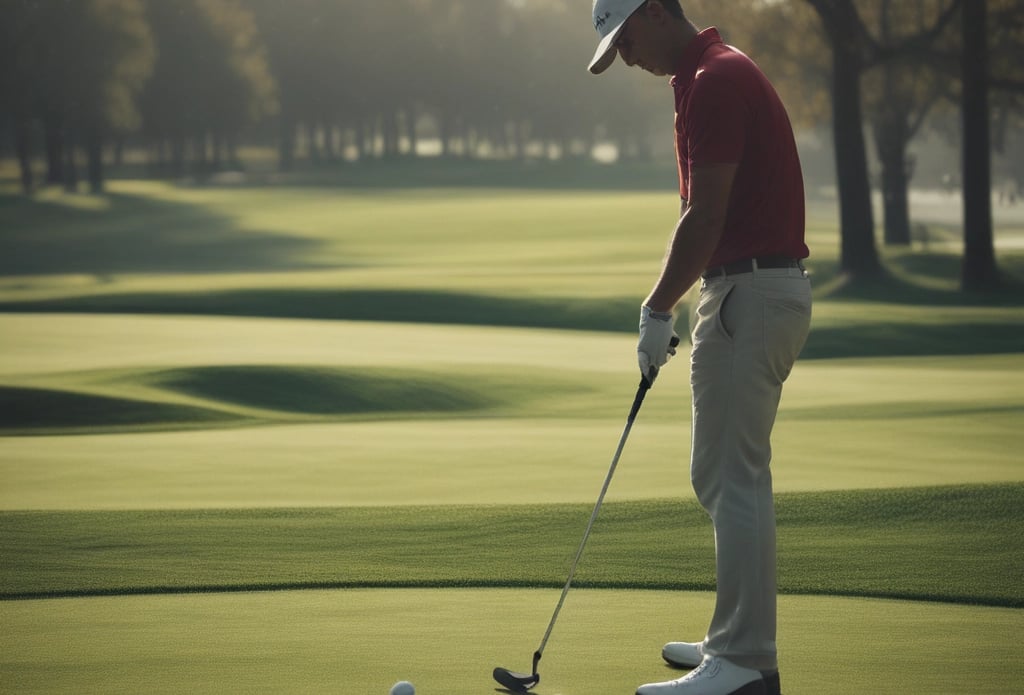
(714, 676)
(683, 654)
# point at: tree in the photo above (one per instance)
(850, 44)
(211, 80)
(116, 54)
(16, 84)
(76, 68)
(854, 50)
(978, 271)
(901, 93)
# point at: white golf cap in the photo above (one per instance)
(609, 16)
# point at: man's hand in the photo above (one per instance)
(657, 342)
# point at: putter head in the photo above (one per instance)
(516, 682)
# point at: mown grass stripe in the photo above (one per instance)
(954, 544)
(864, 338)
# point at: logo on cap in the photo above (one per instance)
(599, 21)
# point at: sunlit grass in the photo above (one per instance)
(447, 641)
(490, 241)
(459, 415)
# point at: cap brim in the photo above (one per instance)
(605, 54)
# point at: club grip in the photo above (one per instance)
(647, 380)
(641, 391)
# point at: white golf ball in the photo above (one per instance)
(403, 688)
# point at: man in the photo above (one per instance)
(741, 234)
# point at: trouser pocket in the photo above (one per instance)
(708, 324)
(787, 322)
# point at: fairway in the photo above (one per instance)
(448, 641)
(493, 424)
(321, 439)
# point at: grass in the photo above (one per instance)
(482, 409)
(878, 331)
(448, 641)
(226, 389)
(944, 544)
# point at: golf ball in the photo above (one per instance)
(403, 688)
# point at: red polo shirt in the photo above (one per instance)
(728, 113)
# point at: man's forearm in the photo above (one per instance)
(693, 242)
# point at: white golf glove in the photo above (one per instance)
(657, 342)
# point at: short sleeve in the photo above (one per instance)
(715, 121)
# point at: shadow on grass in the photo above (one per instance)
(921, 279)
(135, 234)
(362, 305)
(901, 339)
(283, 390)
(231, 395)
(878, 338)
(32, 410)
(313, 391)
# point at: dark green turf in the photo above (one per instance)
(22, 409)
(232, 394)
(422, 306)
(321, 391)
(958, 544)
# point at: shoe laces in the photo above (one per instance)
(701, 668)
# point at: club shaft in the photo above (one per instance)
(641, 392)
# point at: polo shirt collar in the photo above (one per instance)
(691, 57)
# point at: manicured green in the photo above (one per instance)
(448, 641)
(442, 415)
(952, 544)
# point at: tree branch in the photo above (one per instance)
(917, 44)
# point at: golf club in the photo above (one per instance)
(522, 682)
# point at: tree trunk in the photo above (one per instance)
(892, 135)
(519, 140)
(895, 203)
(53, 136)
(23, 137)
(358, 142)
(444, 128)
(389, 132)
(285, 140)
(178, 155)
(978, 271)
(312, 144)
(70, 162)
(891, 145)
(217, 151)
(859, 256)
(335, 145)
(94, 152)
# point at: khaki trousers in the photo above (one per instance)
(749, 329)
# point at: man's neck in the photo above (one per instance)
(685, 34)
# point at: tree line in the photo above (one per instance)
(189, 81)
